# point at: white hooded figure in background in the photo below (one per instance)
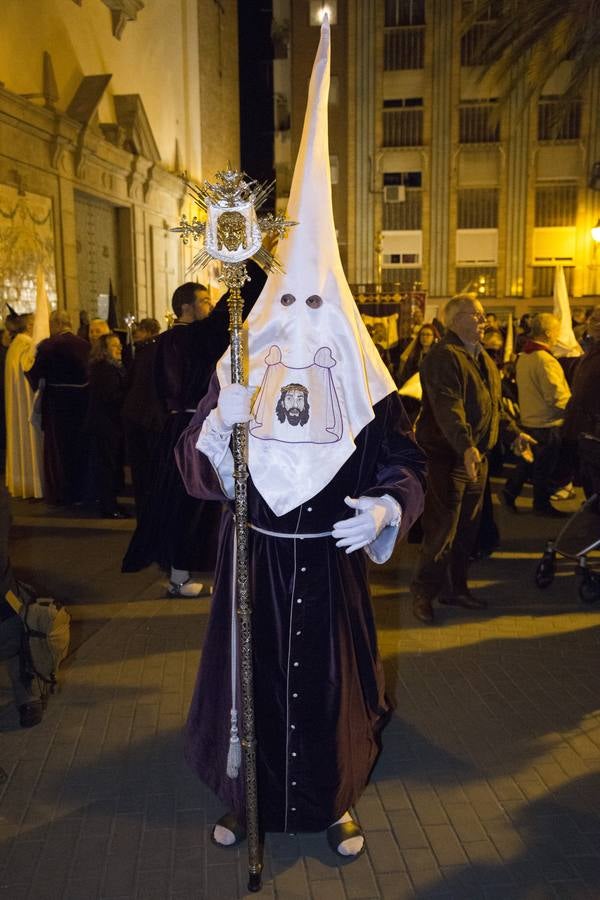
(333, 468)
(24, 462)
(24, 458)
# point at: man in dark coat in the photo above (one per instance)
(175, 530)
(104, 424)
(143, 412)
(582, 415)
(459, 424)
(61, 368)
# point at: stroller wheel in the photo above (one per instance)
(589, 589)
(544, 574)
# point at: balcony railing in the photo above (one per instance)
(405, 216)
(477, 124)
(477, 278)
(477, 208)
(404, 12)
(473, 41)
(559, 121)
(543, 280)
(403, 127)
(400, 281)
(404, 48)
(555, 205)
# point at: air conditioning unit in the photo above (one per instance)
(394, 193)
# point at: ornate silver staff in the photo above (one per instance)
(233, 233)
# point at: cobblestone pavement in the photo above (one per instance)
(488, 786)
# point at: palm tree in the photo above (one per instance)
(524, 42)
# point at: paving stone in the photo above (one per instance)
(407, 829)
(395, 887)
(331, 889)
(371, 813)
(359, 880)
(419, 860)
(190, 871)
(465, 822)
(384, 853)
(78, 889)
(291, 881)
(427, 806)
(445, 845)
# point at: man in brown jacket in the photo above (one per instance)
(459, 423)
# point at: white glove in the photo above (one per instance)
(374, 514)
(234, 404)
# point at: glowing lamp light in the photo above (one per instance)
(319, 9)
(596, 232)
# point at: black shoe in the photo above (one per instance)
(422, 609)
(551, 512)
(508, 500)
(30, 714)
(466, 600)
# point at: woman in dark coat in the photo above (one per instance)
(410, 360)
(103, 423)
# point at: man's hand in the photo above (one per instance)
(472, 461)
(235, 401)
(373, 514)
(522, 446)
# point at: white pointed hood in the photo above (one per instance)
(567, 344)
(318, 372)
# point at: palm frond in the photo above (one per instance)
(527, 42)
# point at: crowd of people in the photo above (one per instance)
(79, 407)
(63, 425)
(489, 395)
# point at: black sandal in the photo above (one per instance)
(231, 823)
(343, 831)
(174, 590)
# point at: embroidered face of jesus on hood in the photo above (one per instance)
(317, 370)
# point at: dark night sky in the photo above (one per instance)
(256, 88)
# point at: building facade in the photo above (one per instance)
(103, 105)
(436, 184)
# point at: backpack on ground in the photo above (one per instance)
(46, 635)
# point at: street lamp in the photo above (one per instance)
(596, 233)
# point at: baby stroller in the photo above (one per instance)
(581, 533)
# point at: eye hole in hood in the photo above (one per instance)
(314, 301)
(288, 299)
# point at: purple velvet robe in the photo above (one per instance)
(318, 680)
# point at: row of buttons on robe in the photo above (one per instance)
(295, 664)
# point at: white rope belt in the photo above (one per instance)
(285, 534)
